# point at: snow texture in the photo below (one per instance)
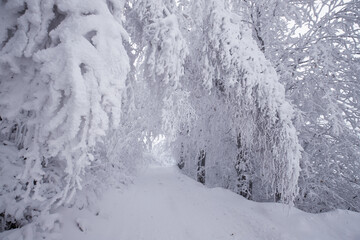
(164, 204)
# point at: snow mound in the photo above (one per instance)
(165, 204)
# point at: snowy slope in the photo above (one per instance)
(163, 204)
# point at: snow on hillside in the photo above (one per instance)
(164, 204)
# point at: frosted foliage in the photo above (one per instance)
(317, 59)
(164, 47)
(62, 76)
(161, 52)
(246, 112)
(178, 114)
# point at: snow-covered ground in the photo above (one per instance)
(164, 204)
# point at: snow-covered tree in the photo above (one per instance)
(317, 59)
(63, 70)
(244, 123)
(160, 52)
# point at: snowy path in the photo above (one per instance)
(163, 204)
